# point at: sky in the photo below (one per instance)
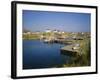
(64, 21)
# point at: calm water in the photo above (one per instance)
(37, 54)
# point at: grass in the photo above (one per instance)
(83, 59)
(30, 36)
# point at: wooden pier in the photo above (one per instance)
(68, 50)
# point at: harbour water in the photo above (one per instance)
(37, 54)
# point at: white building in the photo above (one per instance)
(48, 30)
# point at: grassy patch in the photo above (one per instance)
(83, 59)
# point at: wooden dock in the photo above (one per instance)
(68, 50)
(62, 41)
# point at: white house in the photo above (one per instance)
(48, 30)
